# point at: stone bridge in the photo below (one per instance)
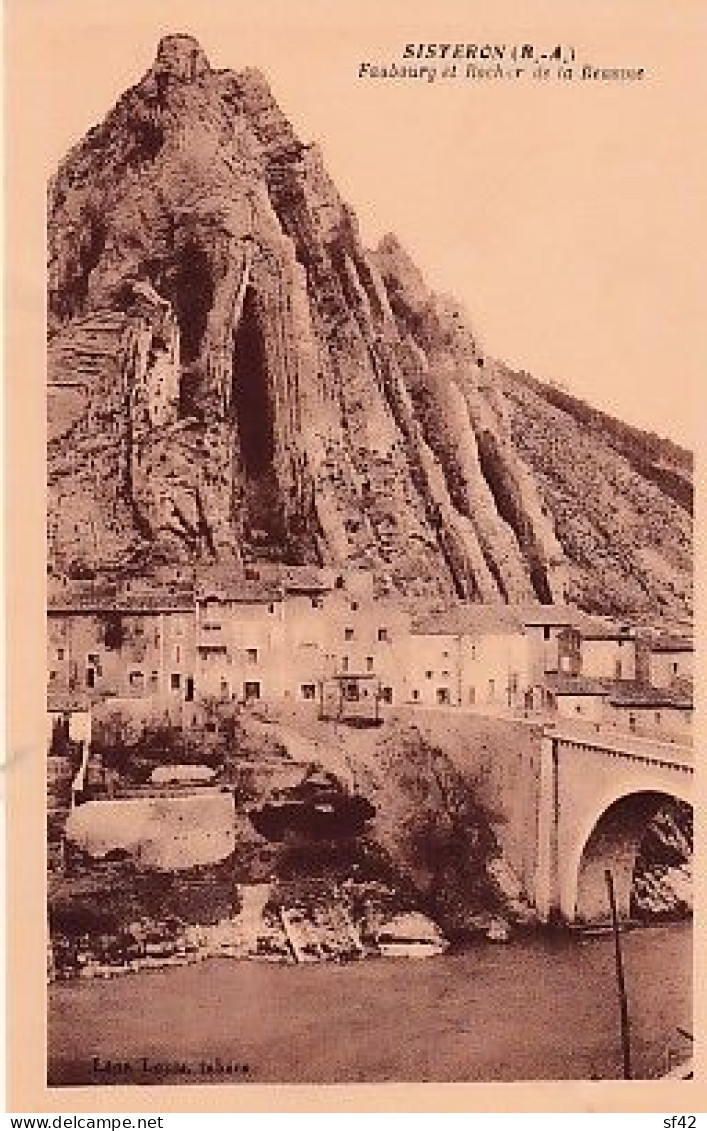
(596, 796)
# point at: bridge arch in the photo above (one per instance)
(610, 837)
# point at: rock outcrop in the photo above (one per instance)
(234, 376)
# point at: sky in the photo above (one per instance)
(564, 215)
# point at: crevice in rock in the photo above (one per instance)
(253, 411)
(204, 528)
(149, 139)
(509, 507)
(192, 298)
(190, 383)
(70, 299)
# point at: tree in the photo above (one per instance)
(114, 740)
(113, 630)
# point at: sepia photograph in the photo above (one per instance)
(369, 557)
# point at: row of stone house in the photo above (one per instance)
(308, 636)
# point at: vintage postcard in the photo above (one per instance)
(352, 381)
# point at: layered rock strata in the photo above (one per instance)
(234, 376)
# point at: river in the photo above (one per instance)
(540, 1007)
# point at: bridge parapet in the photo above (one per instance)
(605, 740)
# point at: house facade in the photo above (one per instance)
(671, 660)
(477, 658)
(653, 712)
(608, 653)
(303, 636)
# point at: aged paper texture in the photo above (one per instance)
(352, 386)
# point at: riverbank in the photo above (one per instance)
(540, 1007)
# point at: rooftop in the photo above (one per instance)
(607, 632)
(560, 684)
(119, 601)
(672, 643)
(557, 616)
(239, 590)
(469, 620)
(679, 699)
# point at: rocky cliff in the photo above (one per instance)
(234, 376)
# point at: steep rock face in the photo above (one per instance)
(232, 375)
(620, 500)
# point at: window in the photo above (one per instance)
(492, 688)
(175, 681)
(472, 695)
(416, 694)
(154, 679)
(473, 651)
(632, 722)
(345, 664)
(657, 717)
(578, 708)
(445, 674)
(349, 691)
(60, 653)
(546, 632)
(675, 667)
(177, 654)
(90, 677)
(271, 608)
(443, 696)
(386, 694)
(137, 679)
(308, 691)
(514, 683)
(189, 693)
(252, 655)
(428, 675)
(348, 634)
(94, 659)
(225, 692)
(445, 655)
(316, 602)
(369, 663)
(251, 690)
(383, 635)
(52, 676)
(617, 669)
(354, 606)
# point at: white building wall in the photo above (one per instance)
(587, 708)
(609, 659)
(672, 723)
(495, 670)
(667, 667)
(544, 652)
(432, 677)
(240, 643)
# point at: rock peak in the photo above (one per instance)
(291, 397)
(182, 57)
